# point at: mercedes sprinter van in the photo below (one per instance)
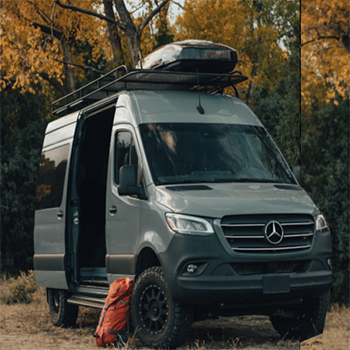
(159, 176)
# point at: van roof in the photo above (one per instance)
(172, 107)
(181, 107)
(121, 79)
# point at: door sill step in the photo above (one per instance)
(83, 300)
(95, 283)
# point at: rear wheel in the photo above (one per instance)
(306, 322)
(158, 321)
(62, 313)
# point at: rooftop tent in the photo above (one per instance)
(190, 55)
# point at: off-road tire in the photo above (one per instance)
(158, 321)
(62, 314)
(307, 323)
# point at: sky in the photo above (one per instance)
(175, 10)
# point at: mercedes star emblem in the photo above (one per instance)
(274, 232)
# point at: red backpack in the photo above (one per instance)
(114, 318)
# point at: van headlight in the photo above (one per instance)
(189, 225)
(321, 223)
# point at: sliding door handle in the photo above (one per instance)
(113, 210)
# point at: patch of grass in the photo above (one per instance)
(19, 289)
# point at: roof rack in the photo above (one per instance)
(121, 79)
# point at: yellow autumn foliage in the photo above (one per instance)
(325, 27)
(30, 53)
(238, 25)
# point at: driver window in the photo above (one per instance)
(126, 154)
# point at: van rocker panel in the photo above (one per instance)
(51, 279)
(120, 264)
(216, 280)
(49, 262)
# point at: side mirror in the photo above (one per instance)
(296, 169)
(127, 181)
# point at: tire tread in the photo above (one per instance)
(180, 326)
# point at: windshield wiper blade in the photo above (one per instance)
(224, 180)
(247, 179)
(185, 182)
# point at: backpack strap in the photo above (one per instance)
(104, 313)
(127, 317)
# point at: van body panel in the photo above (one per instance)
(59, 135)
(50, 262)
(121, 263)
(48, 232)
(62, 122)
(218, 280)
(123, 226)
(50, 223)
(124, 113)
(51, 279)
(153, 240)
(60, 130)
(235, 199)
(111, 277)
(154, 229)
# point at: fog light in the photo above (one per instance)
(191, 268)
(329, 262)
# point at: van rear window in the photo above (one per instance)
(51, 176)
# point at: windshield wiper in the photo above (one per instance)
(185, 182)
(246, 179)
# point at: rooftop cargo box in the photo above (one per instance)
(190, 55)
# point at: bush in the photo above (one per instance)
(18, 289)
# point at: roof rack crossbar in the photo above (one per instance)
(142, 79)
(81, 90)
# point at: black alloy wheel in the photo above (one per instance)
(62, 313)
(154, 309)
(157, 320)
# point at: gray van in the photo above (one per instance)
(159, 176)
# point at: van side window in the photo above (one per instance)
(126, 154)
(51, 176)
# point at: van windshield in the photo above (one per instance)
(198, 152)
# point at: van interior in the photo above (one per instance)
(91, 188)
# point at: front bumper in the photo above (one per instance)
(225, 278)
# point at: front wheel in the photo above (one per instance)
(158, 321)
(62, 313)
(306, 323)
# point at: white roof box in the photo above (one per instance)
(190, 56)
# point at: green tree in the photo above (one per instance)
(279, 110)
(23, 122)
(326, 178)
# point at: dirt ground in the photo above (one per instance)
(28, 326)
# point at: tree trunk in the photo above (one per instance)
(126, 24)
(68, 69)
(345, 39)
(249, 93)
(114, 37)
(131, 32)
(255, 61)
(255, 57)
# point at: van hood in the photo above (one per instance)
(215, 200)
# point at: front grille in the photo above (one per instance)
(262, 268)
(246, 234)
